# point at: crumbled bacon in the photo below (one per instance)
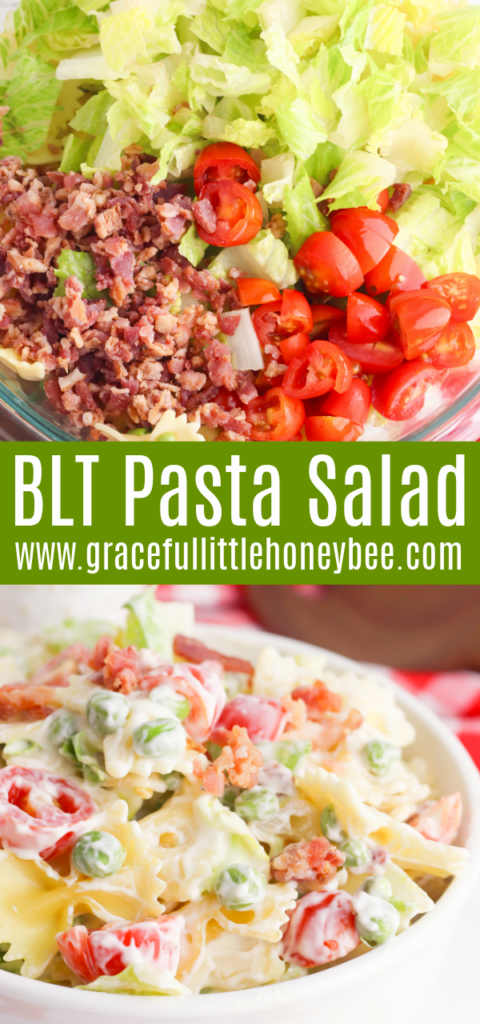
(239, 762)
(313, 861)
(193, 650)
(205, 215)
(22, 698)
(119, 665)
(332, 730)
(318, 700)
(399, 196)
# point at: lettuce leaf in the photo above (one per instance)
(92, 116)
(303, 215)
(75, 153)
(153, 624)
(74, 631)
(139, 980)
(80, 265)
(265, 257)
(192, 247)
(31, 95)
(360, 178)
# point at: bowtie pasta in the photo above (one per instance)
(175, 821)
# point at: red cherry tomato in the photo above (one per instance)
(262, 717)
(327, 265)
(35, 806)
(295, 314)
(224, 161)
(401, 394)
(376, 357)
(331, 428)
(238, 211)
(383, 199)
(455, 347)
(367, 233)
(110, 950)
(396, 272)
(292, 348)
(352, 405)
(321, 367)
(323, 318)
(462, 292)
(264, 383)
(367, 319)
(418, 320)
(321, 929)
(201, 685)
(265, 320)
(254, 290)
(275, 416)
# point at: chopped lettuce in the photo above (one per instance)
(153, 624)
(303, 215)
(139, 980)
(192, 247)
(439, 239)
(80, 265)
(73, 631)
(360, 178)
(31, 96)
(265, 257)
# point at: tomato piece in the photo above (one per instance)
(439, 819)
(238, 211)
(41, 812)
(275, 416)
(109, 950)
(321, 929)
(228, 399)
(202, 687)
(462, 292)
(295, 314)
(262, 717)
(401, 394)
(367, 319)
(292, 348)
(374, 357)
(224, 161)
(418, 320)
(367, 233)
(265, 320)
(327, 265)
(383, 199)
(455, 347)
(353, 404)
(331, 428)
(264, 383)
(323, 318)
(321, 367)
(396, 272)
(254, 290)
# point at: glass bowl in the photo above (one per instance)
(451, 412)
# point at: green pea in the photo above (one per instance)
(287, 752)
(257, 804)
(98, 854)
(107, 712)
(164, 737)
(378, 886)
(240, 887)
(330, 825)
(21, 748)
(172, 780)
(357, 853)
(62, 725)
(376, 920)
(381, 756)
(172, 700)
(166, 437)
(138, 431)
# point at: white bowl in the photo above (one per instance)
(395, 979)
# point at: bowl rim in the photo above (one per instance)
(360, 969)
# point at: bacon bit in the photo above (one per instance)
(317, 188)
(333, 730)
(189, 649)
(22, 698)
(318, 699)
(239, 759)
(399, 196)
(296, 711)
(120, 665)
(205, 215)
(314, 861)
(437, 820)
(277, 225)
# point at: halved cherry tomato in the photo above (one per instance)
(418, 321)
(462, 292)
(224, 161)
(254, 290)
(455, 347)
(376, 357)
(401, 394)
(40, 812)
(295, 314)
(321, 367)
(292, 347)
(109, 950)
(265, 321)
(367, 319)
(383, 199)
(264, 383)
(367, 233)
(327, 265)
(352, 404)
(331, 428)
(321, 929)
(323, 318)
(275, 416)
(396, 272)
(263, 717)
(239, 214)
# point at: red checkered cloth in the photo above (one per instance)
(455, 696)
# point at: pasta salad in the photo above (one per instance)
(176, 821)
